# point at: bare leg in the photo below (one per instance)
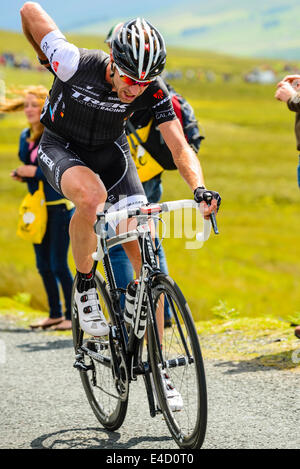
(85, 189)
(87, 192)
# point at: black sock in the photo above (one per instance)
(85, 281)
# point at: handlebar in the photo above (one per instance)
(155, 209)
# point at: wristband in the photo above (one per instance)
(43, 62)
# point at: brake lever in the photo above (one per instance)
(213, 220)
(212, 216)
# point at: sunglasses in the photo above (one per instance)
(129, 81)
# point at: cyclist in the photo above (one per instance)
(84, 152)
(150, 175)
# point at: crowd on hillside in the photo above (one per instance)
(262, 74)
(9, 59)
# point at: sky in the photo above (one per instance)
(257, 28)
(74, 13)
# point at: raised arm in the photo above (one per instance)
(36, 24)
(49, 42)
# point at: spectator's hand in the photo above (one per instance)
(26, 171)
(285, 91)
(14, 175)
(291, 78)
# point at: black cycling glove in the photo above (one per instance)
(201, 194)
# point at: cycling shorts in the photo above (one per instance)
(113, 163)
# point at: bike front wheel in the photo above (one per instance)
(94, 362)
(179, 356)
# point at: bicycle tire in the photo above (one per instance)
(188, 426)
(102, 395)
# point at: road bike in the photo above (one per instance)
(109, 365)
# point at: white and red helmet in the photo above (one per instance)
(139, 50)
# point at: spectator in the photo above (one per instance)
(51, 254)
(288, 91)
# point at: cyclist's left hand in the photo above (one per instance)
(210, 201)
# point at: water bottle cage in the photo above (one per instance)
(140, 317)
(136, 308)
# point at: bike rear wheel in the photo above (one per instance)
(95, 355)
(182, 361)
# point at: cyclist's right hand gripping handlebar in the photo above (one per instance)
(203, 195)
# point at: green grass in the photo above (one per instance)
(249, 156)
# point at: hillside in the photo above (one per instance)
(177, 58)
(238, 27)
(249, 156)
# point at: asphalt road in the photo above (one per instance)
(43, 404)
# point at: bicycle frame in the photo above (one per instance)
(131, 343)
(120, 354)
(126, 360)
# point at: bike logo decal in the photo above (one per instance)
(165, 115)
(45, 158)
(162, 102)
(51, 56)
(55, 66)
(57, 175)
(45, 108)
(159, 94)
(45, 47)
(53, 111)
(95, 103)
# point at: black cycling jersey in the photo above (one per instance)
(82, 106)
